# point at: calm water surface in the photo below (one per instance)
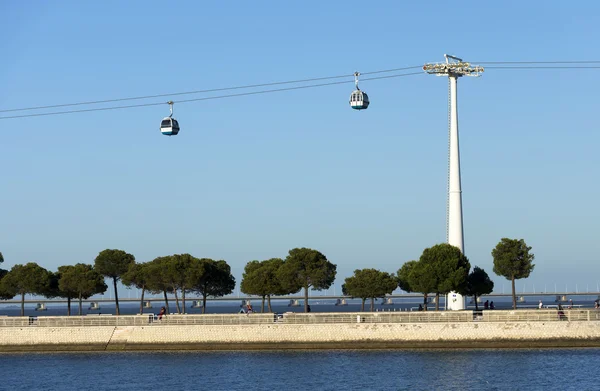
(545, 369)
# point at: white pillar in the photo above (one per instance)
(455, 219)
(454, 300)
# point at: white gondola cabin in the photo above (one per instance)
(169, 125)
(359, 100)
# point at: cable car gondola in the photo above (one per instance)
(359, 100)
(169, 125)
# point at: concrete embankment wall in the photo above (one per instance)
(55, 338)
(298, 336)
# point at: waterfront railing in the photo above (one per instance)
(379, 317)
(135, 320)
(544, 315)
(571, 315)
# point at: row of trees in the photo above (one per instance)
(180, 274)
(171, 274)
(78, 281)
(443, 268)
(440, 269)
(303, 268)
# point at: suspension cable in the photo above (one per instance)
(206, 98)
(95, 102)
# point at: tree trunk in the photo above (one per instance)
(142, 300)
(177, 301)
(69, 306)
(437, 302)
(424, 301)
(475, 299)
(183, 298)
(372, 304)
(514, 297)
(262, 306)
(116, 295)
(80, 305)
(203, 303)
(269, 303)
(166, 301)
(305, 299)
(22, 303)
(362, 305)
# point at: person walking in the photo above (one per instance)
(561, 313)
(541, 305)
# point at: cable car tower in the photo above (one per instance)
(453, 68)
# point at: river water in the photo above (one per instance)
(493, 369)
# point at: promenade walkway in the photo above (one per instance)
(544, 315)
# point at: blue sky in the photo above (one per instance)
(252, 177)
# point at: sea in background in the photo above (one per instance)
(483, 369)
(282, 306)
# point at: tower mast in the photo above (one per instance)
(454, 68)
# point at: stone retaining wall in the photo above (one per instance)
(51, 338)
(281, 336)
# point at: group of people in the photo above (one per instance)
(560, 307)
(246, 309)
(569, 306)
(486, 306)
